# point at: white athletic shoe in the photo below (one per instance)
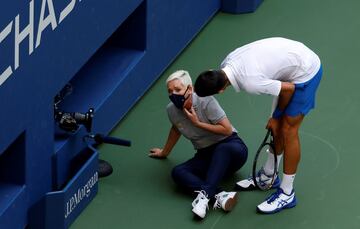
(200, 204)
(277, 202)
(225, 200)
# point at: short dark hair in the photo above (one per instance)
(210, 82)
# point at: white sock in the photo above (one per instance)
(287, 183)
(269, 164)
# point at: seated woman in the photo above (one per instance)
(220, 151)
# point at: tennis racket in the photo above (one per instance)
(262, 181)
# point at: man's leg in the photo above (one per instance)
(290, 133)
(284, 197)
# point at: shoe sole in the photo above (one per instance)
(230, 203)
(198, 216)
(290, 205)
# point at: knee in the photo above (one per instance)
(238, 152)
(289, 131)
(242, 147)
(244, 154)
(242, 151)
(245, 149)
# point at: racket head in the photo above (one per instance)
(261, 181)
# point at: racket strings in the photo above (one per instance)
(265, 179)
(265, 162)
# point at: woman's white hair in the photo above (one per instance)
(181, 75)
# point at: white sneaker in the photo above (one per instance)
(277, 202)
(225, 200)
(200, 204)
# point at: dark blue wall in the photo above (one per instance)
(110, 51)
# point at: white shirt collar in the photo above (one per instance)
(230, 75)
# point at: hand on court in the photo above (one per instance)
(192, 115)
(156, 153)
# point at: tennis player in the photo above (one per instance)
(219, 150)
(287, 70)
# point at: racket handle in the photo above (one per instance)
(100, 138)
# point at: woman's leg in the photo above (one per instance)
(228, 156)
(190, 174)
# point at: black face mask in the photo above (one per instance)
(179, 100)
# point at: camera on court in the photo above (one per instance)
(70, 121)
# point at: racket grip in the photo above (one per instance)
(100, 138)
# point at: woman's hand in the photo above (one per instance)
(157, 153)
(192, 116)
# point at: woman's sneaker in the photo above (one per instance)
(278, 201)
(249, 184)
(200, 204)
(225, 200)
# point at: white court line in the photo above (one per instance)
(332, 147)
(216, 222)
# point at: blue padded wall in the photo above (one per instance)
(240, 6)
(110, 51)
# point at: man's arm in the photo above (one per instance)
(286, 92)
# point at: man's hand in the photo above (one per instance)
(272, 124)
(156, 153)
(192, 116)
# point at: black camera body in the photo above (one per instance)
(70, 121)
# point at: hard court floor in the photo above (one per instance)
(140, 192)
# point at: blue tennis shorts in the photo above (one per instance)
(303, 99)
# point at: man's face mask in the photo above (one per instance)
(179, 100)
